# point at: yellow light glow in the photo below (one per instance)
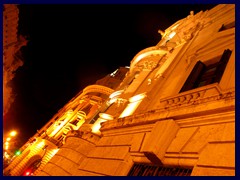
(56, 129)
(8, 139)
(113, 97)
(6, 143)
(6, 155)
(41, 144)
(106, 116)
(174, 27)
(116, 93)
(132, 106)
(54, 151)
(102, 118)
(13, 133)
(69, 112)
(137, 97)
(6, 147)
(172, 34)
(96, 126)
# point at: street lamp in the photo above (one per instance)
(13, 133)
(9, 146)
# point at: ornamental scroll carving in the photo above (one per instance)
(190, 25)
(147, 65)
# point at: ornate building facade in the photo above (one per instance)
(171, 113)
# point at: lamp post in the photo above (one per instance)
(8, 147)
(13, 133)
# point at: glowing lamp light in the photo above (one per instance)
(115, 94)
(6, 143)
(69, 112)
(106, 116)
(8, 139)
(13, 133)
(28, 173)
(102, 118)
(54, 151)
(113, 97)
(41, 144)
(172, 34)
(96, 126)
(18, 152)
(137, 97)
(132, 106)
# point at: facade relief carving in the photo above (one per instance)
(147, 65)
(197, 96)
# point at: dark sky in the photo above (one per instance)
(72, 46)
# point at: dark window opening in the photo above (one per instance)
(153, 170)
(74, 122)
(60, 138)
(87, 109)
(203, 75)
(94, 119)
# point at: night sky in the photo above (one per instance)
(72, 46)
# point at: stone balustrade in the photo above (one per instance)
(194, 97)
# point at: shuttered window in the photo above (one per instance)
(202, 75)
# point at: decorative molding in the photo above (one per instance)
(197, 96)
(98, 89)
(121, 102)
(194, 97)
(151, 51)
(148, 65)
(84, 133)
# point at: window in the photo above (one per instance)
(74, 122)
(94, 119)
(87, 108)
(153, 170)
(203, 74)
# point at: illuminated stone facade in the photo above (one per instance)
(175, 108)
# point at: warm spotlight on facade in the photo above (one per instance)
(133, 104)
(102, 118)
